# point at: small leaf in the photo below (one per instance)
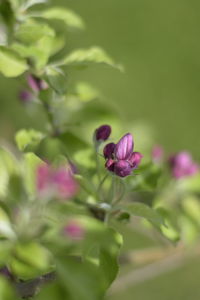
(144, 211)
(56, 79)
(11, 64)
(30, 260)
(86, 92)
(85, 57)
(30, 165)
(31, 3)
(7, 290)
(30, 32)
(71, 19)
(28, 138)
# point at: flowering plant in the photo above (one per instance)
(64, 196)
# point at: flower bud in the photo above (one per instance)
(102, 133)
(135, 159)
(182, 165)
(157, 154)
(122, 168)
(124, 147)
(108, 150)
(36, 84)
(74, 230)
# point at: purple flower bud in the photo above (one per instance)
(102, 133)
(135, 159)
(25, 96)
(124, 147)
(108, 150)
(157, 153)
(122, 168)
(36, 84)
(182, 165)
(110, 164)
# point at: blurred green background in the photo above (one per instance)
(158, 42)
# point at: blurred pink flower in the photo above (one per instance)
(74, 230)
(182, 165)
(157, 153)
(58, 182)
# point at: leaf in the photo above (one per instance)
(11, 64)
(90, 283)
(5, 226)
(38, 53)
(85, 57)
(56, 79)
(147, 178)
(31, 3)
(86, 92)
(31, 162)
(71, 19)
(30, 32)
(30, 260)
(28, 139)
(6, 290)
(142, 210)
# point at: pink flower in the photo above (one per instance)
(157, 154)
(58, 182)
(182, 165)
(74, 230)
(35, 83)
(120, 157)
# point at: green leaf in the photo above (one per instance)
(85, 57)
(85, 275)
(30, 260)
(30, 32)
(31, 3)
(147, 178)
(38, 53)
(28, 139)
(11, 64)
(56, 79)
(71, 19)
(6, 290)
(5, 226)
(144, 211)
(8, 167)
(86, 92)
(31, 162)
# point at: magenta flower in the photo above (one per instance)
(121, 159)
(157, 154)
(58, 182)
(182, 165)
(102, 133)
(74, 230)
(36, 84)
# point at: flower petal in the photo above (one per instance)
(122, 168)
(124, 147)
(135, 159)
(108, 150)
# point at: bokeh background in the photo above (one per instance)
(158, 42)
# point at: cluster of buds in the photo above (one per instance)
(36, 85)
(56, 182)
(120, 158)
(182, 165)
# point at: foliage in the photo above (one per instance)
(59, 204)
